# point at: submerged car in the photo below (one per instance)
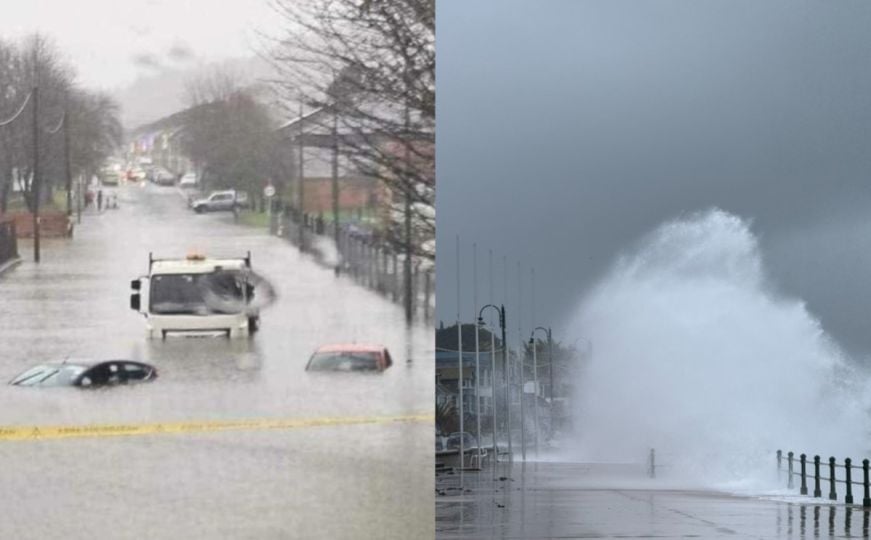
(352, 357)
(85, 373)
(163, 177)
(188, 180)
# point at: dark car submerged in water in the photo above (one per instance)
(86, 374)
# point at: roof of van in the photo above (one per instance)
(195, 266)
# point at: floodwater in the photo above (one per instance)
(335, 481)
(576, 500)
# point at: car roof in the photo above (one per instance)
(350, 347)
(87, 362)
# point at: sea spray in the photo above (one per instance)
(698, 357)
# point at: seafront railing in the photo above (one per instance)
(832, 479)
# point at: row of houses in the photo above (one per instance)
(308, 187)
(479, 383)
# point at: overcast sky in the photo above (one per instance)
(112, 42)
(567, 130)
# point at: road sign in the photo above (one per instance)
(269, 191)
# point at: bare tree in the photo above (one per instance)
(95, 130)
(370, 65)
(218, 83)
(228, 131)
(91, 118)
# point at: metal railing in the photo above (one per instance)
(832, 479)
(368, 260)
(8, 241)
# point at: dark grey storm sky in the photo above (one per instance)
(567, 129)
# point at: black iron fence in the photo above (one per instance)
(832, 479)
(362, 255)
(8, 241)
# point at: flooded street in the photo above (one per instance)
(339, 481)
(577, 500)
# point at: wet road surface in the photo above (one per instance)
(561, 500)
(372, 480)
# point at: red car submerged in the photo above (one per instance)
(350, 357)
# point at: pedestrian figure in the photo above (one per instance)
(99, 200)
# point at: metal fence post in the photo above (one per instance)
(789, 482)
(849, 497)
(415, 285)
(833, 495)
(427, 295)
(376, 258)
(353, 249)
(395, 281)
(817, 491)
(385, 273)
(866, 502)
(376, 271)
(803, 490)
(652, 463)
(14, 234)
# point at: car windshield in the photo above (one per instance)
(197, 294)
(50, 375)
(344, 361)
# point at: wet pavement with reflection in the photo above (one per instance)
(323, 482)
(570, 500)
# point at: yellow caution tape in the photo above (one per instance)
(27, 433)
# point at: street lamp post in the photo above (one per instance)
(535, 389)
(501, 310)
(550, 360)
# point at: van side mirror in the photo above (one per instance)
(136, 284)
(134, 302)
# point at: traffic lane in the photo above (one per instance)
(76, 303)
(351, 482)
(220, 378)
(547, 500)
(80, 292)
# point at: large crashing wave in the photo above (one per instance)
(696, 356)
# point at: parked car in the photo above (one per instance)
(163, 177)
(85, 373)
(188, 180)
(218, 201)
(353, 357)
(453, 441)
(109, 178)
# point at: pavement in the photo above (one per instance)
(573, 500)
(306, 467)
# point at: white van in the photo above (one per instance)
(196, 295)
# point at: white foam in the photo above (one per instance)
(697, 356)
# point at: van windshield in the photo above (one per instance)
(197, 294)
